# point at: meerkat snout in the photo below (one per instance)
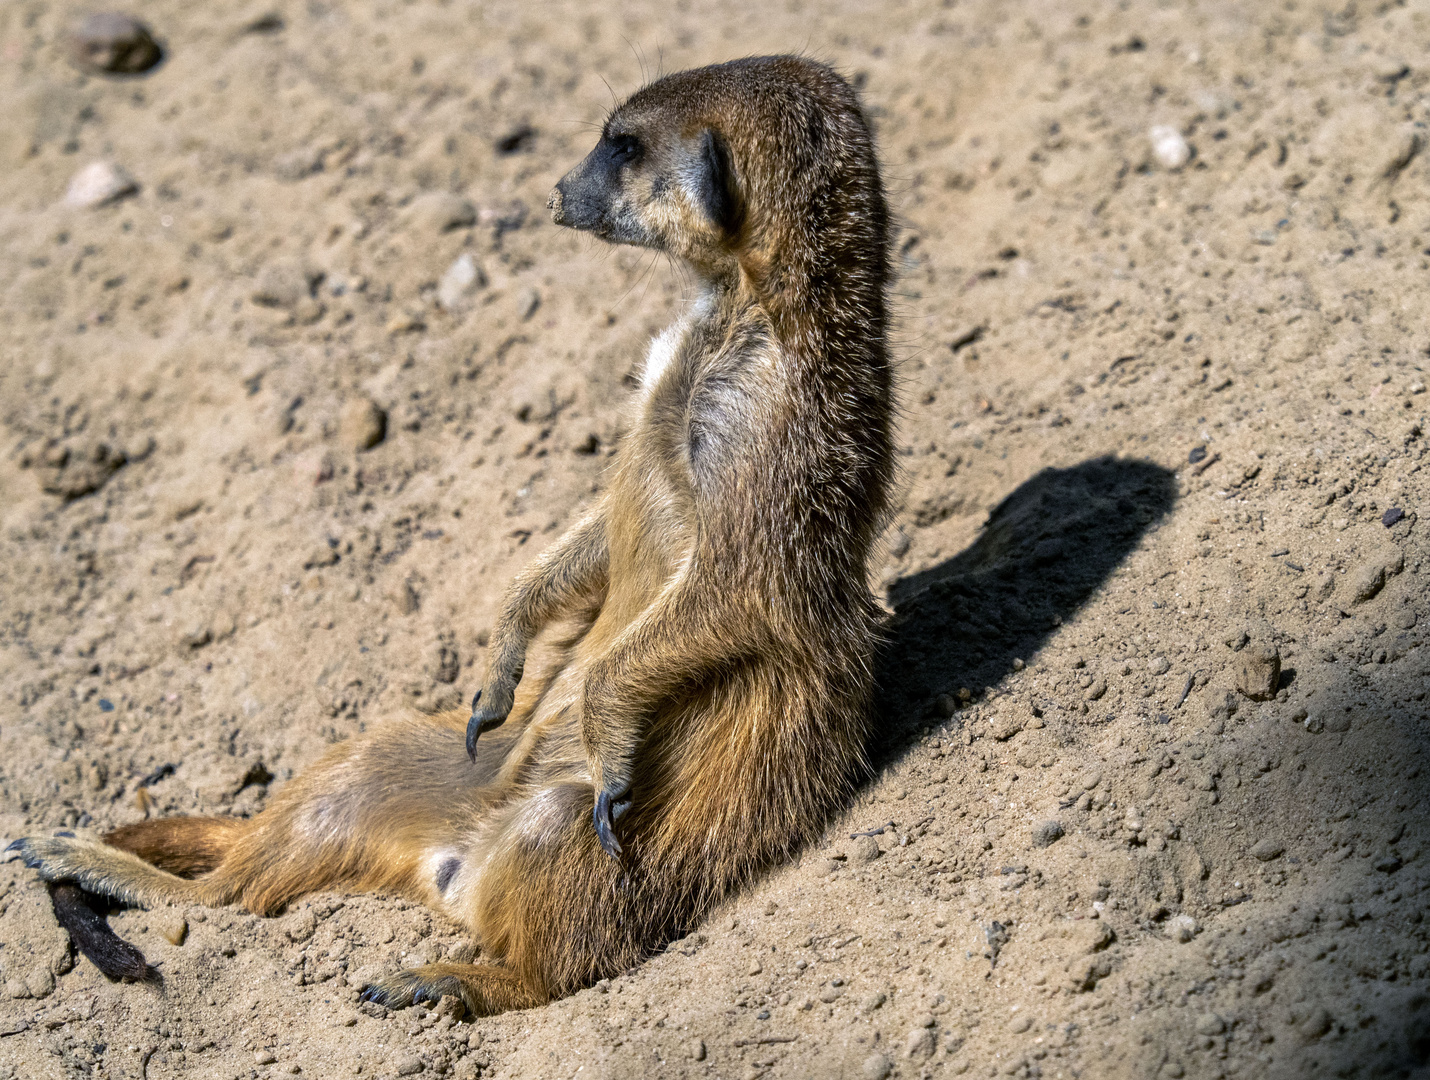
(594, 196)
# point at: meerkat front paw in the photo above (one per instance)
(491, 705)
(612, 801)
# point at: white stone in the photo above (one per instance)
(1183, 928)
(462, 279)
(1168, 147)
(98, 183)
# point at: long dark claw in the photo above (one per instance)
(15, 845)
(484, 718)
(609, 809)
(474, 728)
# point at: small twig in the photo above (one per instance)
(1187, 689)
(873, 832)
(1197, 470)
(144, 1062)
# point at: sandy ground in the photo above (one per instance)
(1154, 420)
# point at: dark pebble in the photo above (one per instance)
(517, 139)
(1197, 454)
(1049, 832)
(113, 44)
(1391, 516)
(105, 705)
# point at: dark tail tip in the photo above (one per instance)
(77, 911)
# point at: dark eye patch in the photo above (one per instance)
(624, 149)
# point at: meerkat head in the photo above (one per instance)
(656, 180)
(764, 164)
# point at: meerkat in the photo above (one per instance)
(708, 706)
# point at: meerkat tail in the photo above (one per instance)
(75, 910)
(186, 846)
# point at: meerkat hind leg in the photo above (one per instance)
(98, 868)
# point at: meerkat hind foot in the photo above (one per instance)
(102, 870)
(483, 989)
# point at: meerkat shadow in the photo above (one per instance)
(1045, 549)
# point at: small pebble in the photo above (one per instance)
(1258, 671)
(459, 282)
(441, 211)
(1387, 862)
(1159, 665)
(1020, 1024)
(111, 43)
(1317, 1024)
(518, 138)
(695, 1049)
(1267, 849)
(98, 183)
(872, 1002)
(1367, 579)
(1168, 147)
(263, 1057)
(877, 1067)
(1047, 833)
(755, 968)
(1392, 517)
(1197, 454)
(40, 981)
(284, 283)
(919, 1044)
(362, 424)
(1210, 1024)
(410, 1065)
(864, 850)
(1182, 928)
(173, 926)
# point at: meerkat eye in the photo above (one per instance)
(625, 149)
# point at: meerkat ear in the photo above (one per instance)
(717, 192)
